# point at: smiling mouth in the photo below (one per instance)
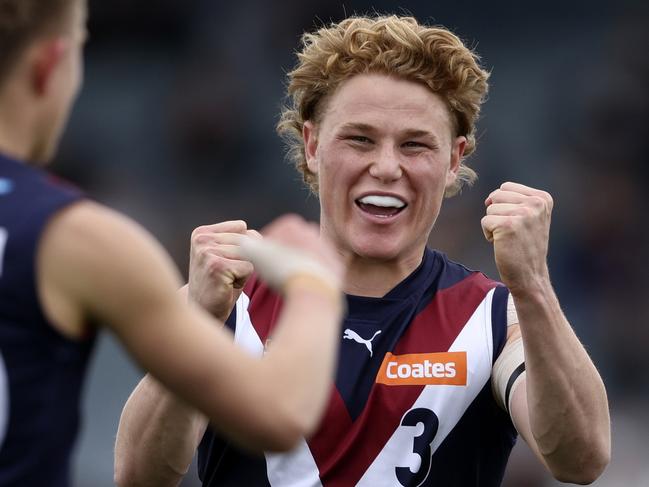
(381, 206)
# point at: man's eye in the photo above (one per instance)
(359, 138)
(414, 144)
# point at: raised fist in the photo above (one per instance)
(216, 272)
(518, 224)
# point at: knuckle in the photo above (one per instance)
(238, 226)
(508, 223)
(526, 211)
(214, 266)
(537, 201)
(201, 239)
(549, 200)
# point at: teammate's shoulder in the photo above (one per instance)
(89, 229)
(90, 217)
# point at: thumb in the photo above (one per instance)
(486, 229)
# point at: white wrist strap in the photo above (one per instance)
(277, 263)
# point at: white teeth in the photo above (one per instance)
(384, 201)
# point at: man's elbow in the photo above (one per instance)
(122, 476)
(126, 473)
(588, 470)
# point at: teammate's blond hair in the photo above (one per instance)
(23, 20)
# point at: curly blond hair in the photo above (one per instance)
(393, 45)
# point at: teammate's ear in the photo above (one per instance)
(310, 137)
(48, 55)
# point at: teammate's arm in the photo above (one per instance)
(98, 265)
(158, 432)
(560, 408)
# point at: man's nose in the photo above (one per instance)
(386, 165)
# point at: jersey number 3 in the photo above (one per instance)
(420, 446)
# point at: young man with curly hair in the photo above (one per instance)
(440, 367)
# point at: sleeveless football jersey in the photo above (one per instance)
(41, 371)
(412, 402)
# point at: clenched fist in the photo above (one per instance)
(292, 248)
(518, 224)
(216, 273)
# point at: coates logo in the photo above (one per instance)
(442, 368)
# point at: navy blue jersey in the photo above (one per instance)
(42, 371)
(412, 403)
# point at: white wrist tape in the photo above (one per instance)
(507, 372)
(277, 263)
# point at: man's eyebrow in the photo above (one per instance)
(407, 133)
(358, 126)
(416, 133)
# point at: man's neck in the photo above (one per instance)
(376, 278)
(15, 131)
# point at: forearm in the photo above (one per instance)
(568, 408)
(302, 355)
(156, 439)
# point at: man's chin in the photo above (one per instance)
(378, 253)
(387, 251)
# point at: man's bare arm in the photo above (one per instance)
(110, 269)
(158, 432)
(561, 408)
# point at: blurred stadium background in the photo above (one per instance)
(175, 127)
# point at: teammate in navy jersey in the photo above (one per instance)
(67, 264)
(439, 367)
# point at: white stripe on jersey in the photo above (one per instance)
(298, 467)
(244, 333)
(302, 469)
(294, 469)
(447, 402)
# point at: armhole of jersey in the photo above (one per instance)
(518, 373)
(503, 315)
(45, 216)
(499, 321)
(233, 319)
(512, 315)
